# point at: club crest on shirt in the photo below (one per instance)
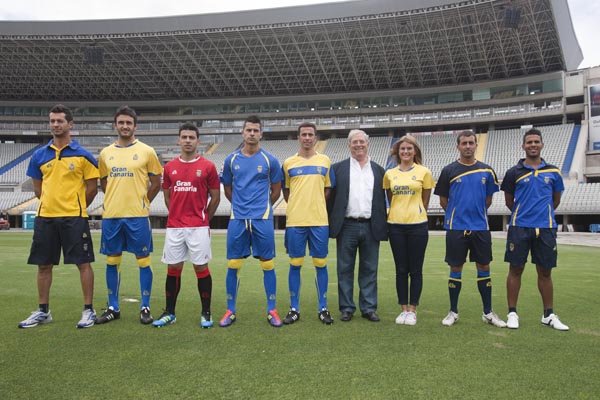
(198, 173)
(111, 158)
(135, 157)
(414, 178)
(259, 168)
(174, 172)
(236, 167)
(458, 180)
(546, 180)
(71, 167)
(511, 247)
(483, 180)
(319, 169)
(49, 165)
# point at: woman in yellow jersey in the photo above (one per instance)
(408, 187)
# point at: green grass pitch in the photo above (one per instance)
(308, 360)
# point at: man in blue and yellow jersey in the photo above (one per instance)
(65, 179)
(130, 178)
(251, 180)
(308, 180)
(532, 191)
(465, 188)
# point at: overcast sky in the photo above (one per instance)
(585, 13)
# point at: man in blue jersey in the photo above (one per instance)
(251, 180)
(532, 191)
(465, 188)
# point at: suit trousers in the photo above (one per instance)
(357, 236)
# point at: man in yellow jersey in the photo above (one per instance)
(308, 180)
(65, 179)
(130, 178)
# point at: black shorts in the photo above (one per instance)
(72, 234)
(477, 243)
(541, 242)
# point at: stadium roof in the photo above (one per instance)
(354, 46)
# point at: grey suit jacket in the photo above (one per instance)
(338, 200)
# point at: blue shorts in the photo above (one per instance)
(477, 243)
(316, 236)
(133, 235)
(541, 242)
(254, 237)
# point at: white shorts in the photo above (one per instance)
(182, 244)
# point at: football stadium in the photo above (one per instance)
(430, 69)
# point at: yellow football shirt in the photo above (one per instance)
(127, 171)
(407, 194)
(306, 180)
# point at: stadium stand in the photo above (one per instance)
(501, 146)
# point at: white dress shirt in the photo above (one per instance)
(360, 195)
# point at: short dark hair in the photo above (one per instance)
(252, 119)
(467, 133)
(61, 109)
(533, 132)
(307, 125)
(189, 126)
(126, 110)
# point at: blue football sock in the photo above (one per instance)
(294, 285)
(113, 282)
(484, 284)
(146, 285)
(270, 282)
(322, 280)
(231, 285)
(454, 286)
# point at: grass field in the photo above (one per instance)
(308, 360)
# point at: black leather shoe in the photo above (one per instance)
(371, 316)
(346, 316)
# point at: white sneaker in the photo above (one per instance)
(88, 318)
(512, 320)
(401, 319)
(36, 318)
(493, 319)
(450, 319)
(411, 318)
(553, 321)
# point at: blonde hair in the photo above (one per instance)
(418, 158)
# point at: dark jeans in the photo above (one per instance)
(357, 236)
(408, 244)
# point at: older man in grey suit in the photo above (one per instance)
(357, 219)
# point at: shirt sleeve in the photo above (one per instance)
(33, 169)
(102, 166)
(275, 173)
(213, 177)
(508, 183)
(442, 185)
(154, 167)
(330, 182)
(90, 171)
(286, 177)
(386, 180)
(166, 183)
(492, 183)
(428, 182)
(558, 184)
(226, 177)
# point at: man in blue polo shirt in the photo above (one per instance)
(465, 188)
(532, 190)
